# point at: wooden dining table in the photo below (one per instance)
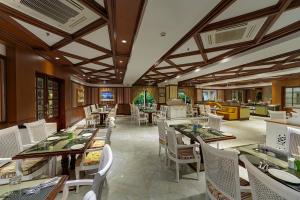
(256, 153)
(61, 144)
(102, 115)
(16, 191)
(150, 114)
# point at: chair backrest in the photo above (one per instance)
(293, 141)
(221, 171)
(10, 142)
(171, 140)
(93, 107)
(161, 130)
(108, 134)
(277, 114)
(87, 111)
(100, 176)
(214, 122)
(207, 108)
(264, 187)
(201, 109)
(37, 130)
(154, 106)
(90, 195)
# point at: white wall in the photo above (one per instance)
(2, 50)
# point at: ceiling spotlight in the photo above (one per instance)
(83, 75)
(124, 41)
(57, 58)
(88, 78)
(178, 76)
(121, 72)
(121, 61)
(165, 81)
(197, 70)
(225, 60)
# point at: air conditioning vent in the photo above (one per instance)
(237, 33)
(55, 10)
(67, 15)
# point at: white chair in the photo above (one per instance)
(202, 109)
(207, 109)
(181, 154)
(94, 108)
(91, 157)
(100, 177)
(214, 122)
(141, 117)
(40, 130)
(11, 145)
(162, 136)
(293, 141)
(277, 115)
(89, 118)
(221, 173)
(264, 187)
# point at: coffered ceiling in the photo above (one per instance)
(205, 43)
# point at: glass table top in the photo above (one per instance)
(258, 153)
(60, 142)
(205, 133)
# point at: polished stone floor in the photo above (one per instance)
(139, 173)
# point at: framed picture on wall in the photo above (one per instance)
(106, 96)
(80, 96)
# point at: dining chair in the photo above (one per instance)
(277, 115)
(94, 108)
(222, 173)
(181, 153)
(99, 179)
(293, 141)
(89, 118)
(40, 130)
(11, 145)
(214, 122)
(90, 159)
(141, 117)
(207, 109)
(162, 136)
(264, 187)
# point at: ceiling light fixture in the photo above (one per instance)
(124, 41)
(57, 58)
(178, 76)
(225, 60)
(197, 70)
(121, 61)
(165, 81)
(83, 75)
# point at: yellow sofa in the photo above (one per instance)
(229, 112)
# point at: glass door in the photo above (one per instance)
(47, 98)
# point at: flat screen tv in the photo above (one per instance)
(106, 96)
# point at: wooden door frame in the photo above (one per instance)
(62, 110)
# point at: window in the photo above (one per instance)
(144, 99)
(292, 97)
(2, 91)
(209, 95)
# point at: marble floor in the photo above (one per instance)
(139, 173)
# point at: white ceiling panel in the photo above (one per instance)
(190, 45)
(185, 68)
(99, 37)
(168, 70)
(81, 50)
(46, 36)
(85, 71)
(285, 19)
(187, 59)
(216, 53)
(108, 61)
(73, 60)
(241, 7)
(176, 18)
(94, 66)
(100, 2)
(258, 67)
(163, 64)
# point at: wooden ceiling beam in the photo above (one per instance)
(215, 12)
(94, 46)
(96, 8)
(200, 45)
(180, 55)
(92, 60)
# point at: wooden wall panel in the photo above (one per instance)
(278, 89)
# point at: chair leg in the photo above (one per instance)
(166, 154)
(177, 172)
(77, 176)
(169, 162)
(198, 170)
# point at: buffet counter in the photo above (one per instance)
(234, 112)
(177, 111)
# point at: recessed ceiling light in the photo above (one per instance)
(121, 61)
(83, 75)
(197, 70)
(88, 77)
(57, 58)
(178, 76)
(121, 72)
(225, 60)
(124, 41)
(165, 81)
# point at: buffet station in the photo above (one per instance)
(176, 109)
